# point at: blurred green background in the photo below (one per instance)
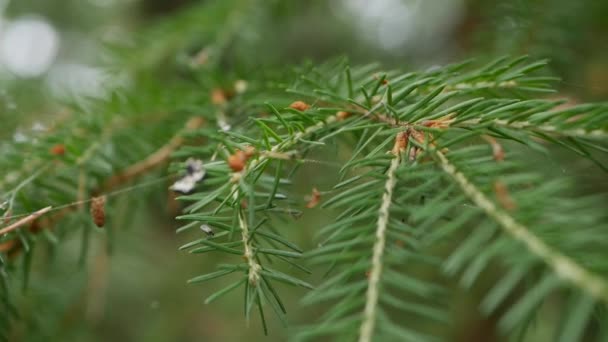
(57, 50)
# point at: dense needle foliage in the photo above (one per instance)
(436, 186)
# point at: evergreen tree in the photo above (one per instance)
(462, 199)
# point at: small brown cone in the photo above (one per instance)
(98, 210)
(299, 105)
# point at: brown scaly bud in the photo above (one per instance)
(57, 150)
(342, 115)
(218, 97)
(98, 210)
(238, 160)
(401, 142)
(419, 136)
(299, 105)
(314, 199)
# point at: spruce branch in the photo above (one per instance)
(389, 218)
(274, 152)
(27, 167)
(155, 159)
(433, 116)
(563, 266)
(373, 288)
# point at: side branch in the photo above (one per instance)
(248, 254)
(157, 158)
(290, 142)
(25, 220)
(563, 266)
(371, 297)
(548, 129)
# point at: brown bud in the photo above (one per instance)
(342, 115)
(237, 161)
(299, 105)
(419, 136)
(218, 96)
(314, 199)
(98, 211)
(401, 142)
(57, 150)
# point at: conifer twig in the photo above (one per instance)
(25, 220)
(563, 266)
(157, 158)
(254, 267)
(248, 254)
(371, 297)
(274, 151)
(548, 129)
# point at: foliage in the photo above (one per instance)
(435, 183)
